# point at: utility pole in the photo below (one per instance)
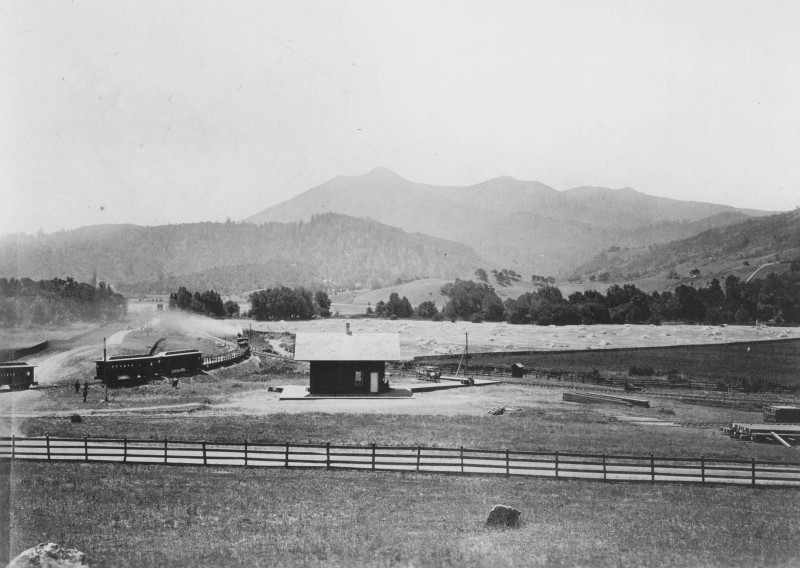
(466, 355)
(105, 370)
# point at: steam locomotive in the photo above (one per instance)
(146, 365)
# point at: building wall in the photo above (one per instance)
(339, 377)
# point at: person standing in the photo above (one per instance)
(85, 390)
(77, 386)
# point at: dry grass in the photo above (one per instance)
(142, 516)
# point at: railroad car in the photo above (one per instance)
(18, 375)
(146, 365)
(244, 342)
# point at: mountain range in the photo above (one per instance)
(379, 229)
(523, 225)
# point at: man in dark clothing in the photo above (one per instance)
(85, 390)
(77, 386)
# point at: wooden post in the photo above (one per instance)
(205, 460)
(245, 452)
(13, 446)
(604, 466)
(462, 459)
(652, 468)
(125, 449)
(287, 455)
(419, 452)
(165, 450)
(702, 469)
(86, 447)
(508, 464)
(373, 456)
(328, 455)
(556, 464)
(47, 437)
(754, 471)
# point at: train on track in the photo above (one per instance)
(146, 365)
(18, 375)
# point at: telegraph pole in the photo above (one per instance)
(105, 370)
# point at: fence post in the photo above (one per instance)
(287, 455)
(205, 460)
(556, 464)
(13, 446)
(754, 471)
(245, 452)
(125, 449)
(604, 466)
(702, 469)
(165, 450)
(462, 459)
(86, 447)
(652, 468)
(373, 456)
(328, 455)
(419, 452)
(47, 436)
(508, 464)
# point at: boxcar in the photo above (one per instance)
(17, 375)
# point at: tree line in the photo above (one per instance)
(57, 301)
(775, 298)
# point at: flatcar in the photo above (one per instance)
(18, 375)
(146, 365)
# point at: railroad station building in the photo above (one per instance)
(347, 363)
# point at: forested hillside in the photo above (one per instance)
(328, 247)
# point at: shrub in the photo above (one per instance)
(643, 371)
(76, 419)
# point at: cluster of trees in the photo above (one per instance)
(208, 303)
(537, 279)
(287, 303)
(57, 301)
(472, 300)
(396, 307)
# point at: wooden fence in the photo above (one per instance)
(407, 458)
(220, 360)
(12, 354)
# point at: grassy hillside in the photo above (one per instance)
(720, 250)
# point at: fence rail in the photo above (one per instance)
(219, 360)
(506, 462)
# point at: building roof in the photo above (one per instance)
(347, 347)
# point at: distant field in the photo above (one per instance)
(772, 361)
(147, 516)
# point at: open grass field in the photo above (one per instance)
(772, 361)
(147, 516)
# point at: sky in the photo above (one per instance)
(155, 112)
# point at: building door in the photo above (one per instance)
(373, 382)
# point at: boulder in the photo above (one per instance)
(503, 516)
(49, 555)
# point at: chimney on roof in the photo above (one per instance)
(347, 330)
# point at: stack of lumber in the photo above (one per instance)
(782, 415)
(596, 398)
(764, 432)
(497, 410)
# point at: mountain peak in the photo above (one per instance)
(382, 173)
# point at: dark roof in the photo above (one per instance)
(347, 347)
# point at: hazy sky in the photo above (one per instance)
(162, 112)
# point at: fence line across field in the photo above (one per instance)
(406, 458)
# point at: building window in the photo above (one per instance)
(359, 379)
